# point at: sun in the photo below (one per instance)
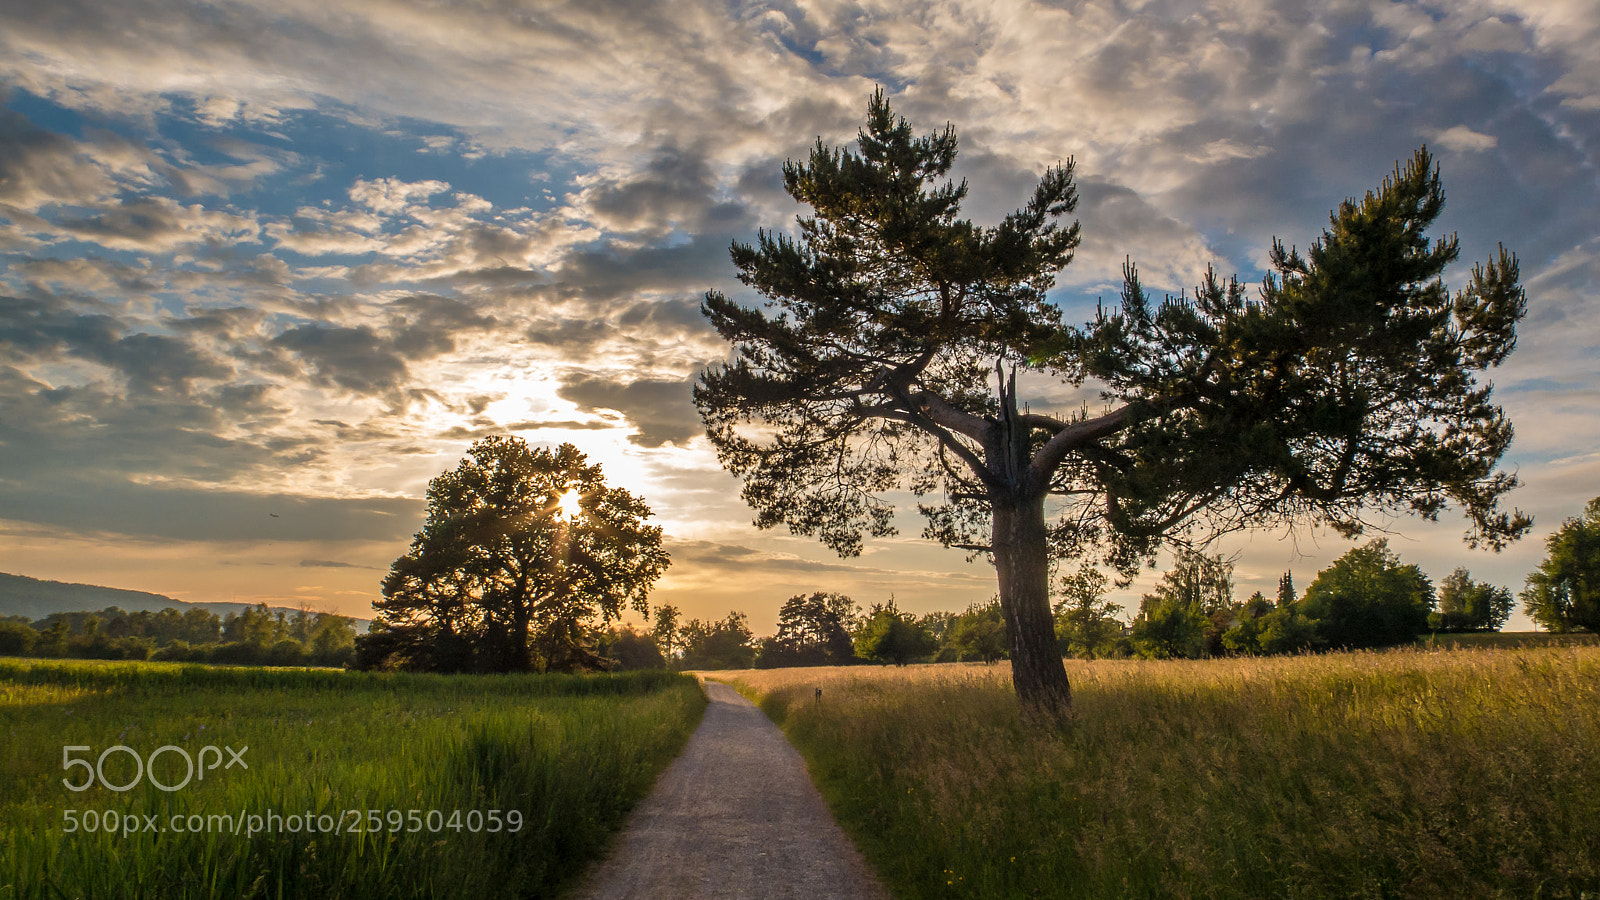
(567, 505)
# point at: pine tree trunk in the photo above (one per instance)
(1022, 559)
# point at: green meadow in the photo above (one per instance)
(1507, 640)
(1405, 774)
(357, 786)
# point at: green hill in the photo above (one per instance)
(34, 599)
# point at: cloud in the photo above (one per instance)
(659, 410)
(615, 271)
(329, 564)
(180, 513)
(168, 465)
(356, 359)
(489, 428)
(98, 190)
(367, 360)
(676, 190)
(391, 195)
(159, 361)
(157, 224)
(426, 324)
(247, 252)
(1462, 139)
(41, 328)
(254, 164)
(89, 276)
(39, 168)
(316, 232)
(1119, 224)
(752, 563)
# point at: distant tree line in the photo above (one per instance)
(527, 561)
(256, 636)
(1368, 598)
(817, 629)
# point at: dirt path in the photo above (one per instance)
(735, 817)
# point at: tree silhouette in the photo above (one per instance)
(505, 572)
(1368, 598)
(1467, 605)
(665, 631)
(1563, 594)
(1086, 622)
(887, 358)
(813, 630)
(727, 644)
(888, 635)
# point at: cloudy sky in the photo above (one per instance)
(267, 266)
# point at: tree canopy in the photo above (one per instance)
(977, 634)
(886, 359)
(813, 630)
(521, 548)
(1563, 594)
(888, 635)
(1189, 610)
(1368, 598)
(1086, 622)
(727, 644)
(665, 631)
(1467, 605)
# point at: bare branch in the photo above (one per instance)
(1036, 420)
(1049, 457)
(944, 437)
(941, 411)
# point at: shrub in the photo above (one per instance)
(17, 638)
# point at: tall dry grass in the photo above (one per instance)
(1401, 774)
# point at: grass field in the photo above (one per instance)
(542, 769)
(1505, 640)
(1470, 773)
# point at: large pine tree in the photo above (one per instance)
(886, 360)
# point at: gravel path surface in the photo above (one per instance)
(735, 817)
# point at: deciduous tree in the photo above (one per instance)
(978, 633)
(887, 359)
(727, 644)
(1467, 605)
(17, 638)
(632, 649)
(521, 548)
(813, 630)
(666, 630)
(888, 635)
(1086, 622)
(1243, 634)
(1564, 592)
(1368, 598)
(1169, 629)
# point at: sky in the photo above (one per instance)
(268, 266)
